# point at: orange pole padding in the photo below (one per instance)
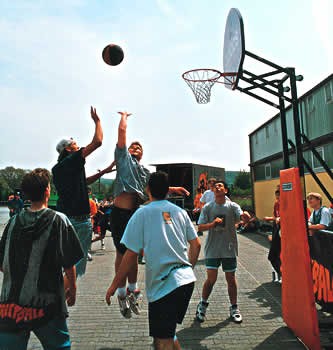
(298, 302)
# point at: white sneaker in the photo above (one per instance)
(235, 314)
(124, 306)
(201, 311)
(89, 257)
(135, 300)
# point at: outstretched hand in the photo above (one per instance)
(125, 114)
(94, 114)
(109, 169)
(180, 191)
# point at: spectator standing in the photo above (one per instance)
(37, 245)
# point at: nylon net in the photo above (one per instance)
(201, 82)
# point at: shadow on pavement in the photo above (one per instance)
(268, 295)
(257, 238)
(282, 338)
(196, 333)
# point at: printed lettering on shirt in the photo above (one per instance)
(19, 313)
(167, 217)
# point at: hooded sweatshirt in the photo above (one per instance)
(34, 249)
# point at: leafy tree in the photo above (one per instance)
(243, 180)
(10, 180)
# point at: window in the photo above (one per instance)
(267, 132)
(315, 162)
(311, 106)
(268, 172)
(256, 138)
(276, 128)
(329, 92)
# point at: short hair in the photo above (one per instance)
(224, 184)
(35, 183)
(211, 179)
(136, 143)
(158, 185)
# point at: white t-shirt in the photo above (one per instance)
(162, 229)
(208, 196)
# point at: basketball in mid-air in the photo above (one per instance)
(113, 54)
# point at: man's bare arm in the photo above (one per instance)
(128, 262)
(179, 190)
(194, 251)
(98, 136)
(70, 292)
(317, 227)
(206, 227)
(122, 129)
(91, 179)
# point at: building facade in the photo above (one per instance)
(316, 117)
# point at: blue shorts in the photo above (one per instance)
(228, 264)
(83, 230)
(53, 336)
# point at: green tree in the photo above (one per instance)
(11, 178)
(243, 180)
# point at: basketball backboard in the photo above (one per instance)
(234, 46)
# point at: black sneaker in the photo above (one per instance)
(201, 311)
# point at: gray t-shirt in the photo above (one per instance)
(162, 230)
(221, 241)
(132, 177)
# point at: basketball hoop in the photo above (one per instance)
(202, 80)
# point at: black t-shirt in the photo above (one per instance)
(69, 178)
(34, 249)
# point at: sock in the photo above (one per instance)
(204, 300)
(132, 286)
(122, 292)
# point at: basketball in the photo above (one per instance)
(113, 54)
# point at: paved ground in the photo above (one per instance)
(96, 326)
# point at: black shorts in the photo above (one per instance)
(118, 222)
(165, 313)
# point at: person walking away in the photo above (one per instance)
(163, 231)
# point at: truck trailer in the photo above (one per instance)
(192, 176)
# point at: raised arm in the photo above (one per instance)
(98, 136)
(122, 129)
(91, 179)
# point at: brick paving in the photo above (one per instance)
(95, 326)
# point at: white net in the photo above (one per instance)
(201, 82)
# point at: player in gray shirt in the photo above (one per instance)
(219, 218)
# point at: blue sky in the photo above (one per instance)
(51, 72)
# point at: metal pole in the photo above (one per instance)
(297, 124)
(298, 137)
(285, 150)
